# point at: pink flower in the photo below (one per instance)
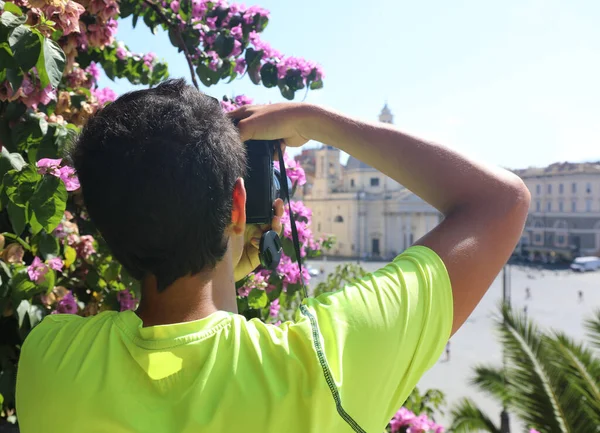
(67, 305)
(199, 8)
(67, 19)
(274, 308)
(68, 176)
(104, 95)
(243, 100)
(174, 6)
(215, 61)
(402, 418)
(240, 66)
(227, 107)
(49, 166)
(126, 300)
(93, 70)
(48, 94)
(37, 270)
(56, 263)
(237, 32)
(104, 9)
(211, 22)
(85, 247)
(149, 59)
(237, 48)
(122, 53)
(100, 35)
(533, 431)
(420, 424)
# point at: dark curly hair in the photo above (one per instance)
(157, 169)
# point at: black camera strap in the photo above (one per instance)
(286, 195)
(316, 333)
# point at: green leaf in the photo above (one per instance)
(14, 110)
(51, 63)
(47, 245)
(26, 46)
(9, 21)
(15, 159)
(207, 75)
(15, 78)
(316, 85)
(48, 202)
(13, 8)
(268, 73)
(17, 217)
(224, 45)
(111, 271)
(6, 57)
(21, 283)
(258, 299)
(286, 92)
(70, 256)
(253, 57)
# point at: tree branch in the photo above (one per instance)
(177, 31)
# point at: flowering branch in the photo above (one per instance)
(177, 32)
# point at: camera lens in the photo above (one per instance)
(277, 185)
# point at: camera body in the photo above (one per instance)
(263, 181)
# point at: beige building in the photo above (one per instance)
(371, 215)
(564, 218)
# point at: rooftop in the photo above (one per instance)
(355, 164)
(560, 169)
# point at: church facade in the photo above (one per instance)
(370, 215)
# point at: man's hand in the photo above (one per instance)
(293, 123)
(249, 259)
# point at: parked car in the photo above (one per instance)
(584, 264)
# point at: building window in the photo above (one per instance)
(538, 189)
(574, 205)
(549, 206)
(561, 240)
(374, 181)
(561, 188)
(561, 206)
(538, 238)
(338, 219)
(574, 188)
(549, 188)
(588, 204)
(538, 206)
(352, 183)
(588, 188)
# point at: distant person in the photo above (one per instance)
(527, 293)
(580, 296)
(447, 351)
(525, 310)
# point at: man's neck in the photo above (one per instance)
(189, 298)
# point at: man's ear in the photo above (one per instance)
(238, 211)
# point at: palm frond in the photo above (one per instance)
(468, 418)
(533, 395)
(577, 372)
(492, 381)
(592, 326)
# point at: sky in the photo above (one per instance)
(514, 83)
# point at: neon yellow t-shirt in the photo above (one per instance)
(347, 363)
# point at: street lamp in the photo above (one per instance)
(359, 195)
(504, 418)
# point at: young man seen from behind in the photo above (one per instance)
(170, 165)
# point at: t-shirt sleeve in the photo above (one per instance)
(381, 334)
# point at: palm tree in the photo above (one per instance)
(549, 381)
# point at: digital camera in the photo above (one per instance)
(263, 181)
